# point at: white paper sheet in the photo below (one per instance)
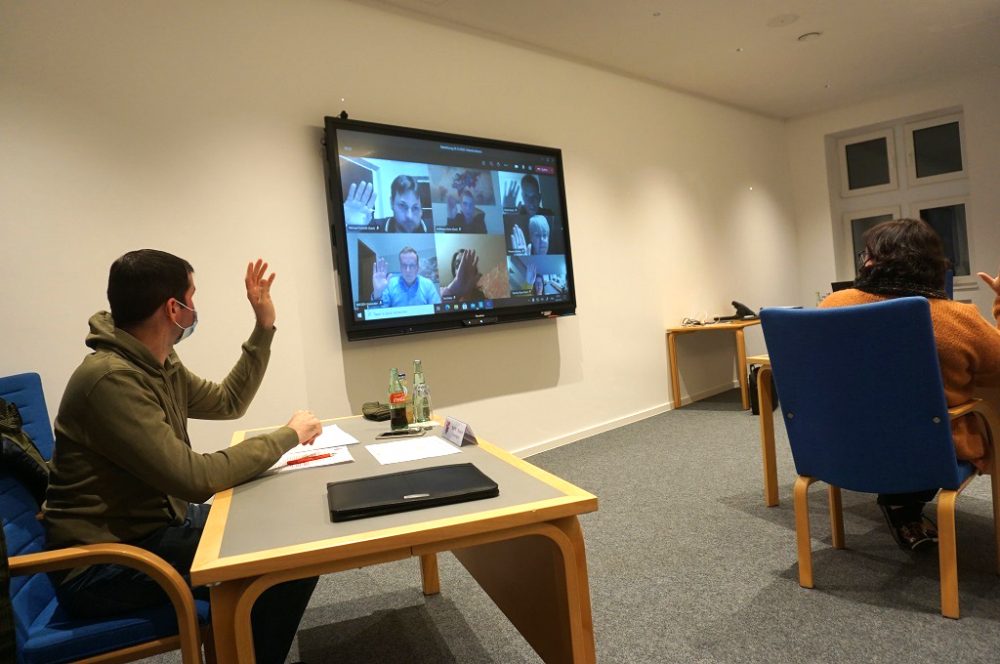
(304, 458)
(332, 436)
(411, 449)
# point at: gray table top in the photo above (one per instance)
(291, 508)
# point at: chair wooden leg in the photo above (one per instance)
(208, 640)
(947, 553)
(836, 517)
(803, 540)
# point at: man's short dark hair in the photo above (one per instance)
(408, 250)
(142, 280)
(400, 185)
(532, 180)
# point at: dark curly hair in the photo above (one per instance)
(907, 258)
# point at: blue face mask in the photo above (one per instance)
(189, 330)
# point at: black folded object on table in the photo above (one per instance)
(375, 411)
(408, 490)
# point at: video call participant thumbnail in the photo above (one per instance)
(536, 275)
(467, 217)
(404, 198)
(408, 288)
(531, 197)
(535, 243)
(464, 286)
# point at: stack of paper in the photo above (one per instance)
(328, 448)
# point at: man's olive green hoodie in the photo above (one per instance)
(123, 466)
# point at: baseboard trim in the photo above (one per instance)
(704, 394)
(587, 432)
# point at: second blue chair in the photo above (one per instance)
(864, 407)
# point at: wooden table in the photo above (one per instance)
(525, 547)
(766, 427)
(737, 328)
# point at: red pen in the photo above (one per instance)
(307, 459)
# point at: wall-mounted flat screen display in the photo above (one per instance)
(433, 231)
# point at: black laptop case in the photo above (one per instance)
(408, 490)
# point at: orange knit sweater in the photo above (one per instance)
(969, 352)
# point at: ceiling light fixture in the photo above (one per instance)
(809, 36)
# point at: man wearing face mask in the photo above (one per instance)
(123, 469)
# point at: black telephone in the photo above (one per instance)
(743, 312)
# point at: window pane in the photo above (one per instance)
(859, 227)
(949, 222)
(937, 150)
(867, 163)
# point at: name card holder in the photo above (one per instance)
(458, 433)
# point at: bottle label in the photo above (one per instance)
(397, 398)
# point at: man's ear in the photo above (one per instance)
(170, 307)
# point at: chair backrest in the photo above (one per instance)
(862, 396)
(23, 533)
(25, 392)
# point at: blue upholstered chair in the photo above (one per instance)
(44, 632)
(865, 410)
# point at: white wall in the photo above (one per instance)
(195, 128)
(979, 96)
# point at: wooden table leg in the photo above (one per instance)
(741, 368)
(767, 436)
(539, 581)
(225, 631)
(429, 574)
(675, 376)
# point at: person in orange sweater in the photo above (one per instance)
(905, 257)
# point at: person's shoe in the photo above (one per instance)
(909, 536)
(914, 536)
(930, 528)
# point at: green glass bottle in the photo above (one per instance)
(397, 402)
(421, 395)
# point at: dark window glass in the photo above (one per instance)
(859, 227)
(867, 163)
(937, 150)
(949, 222)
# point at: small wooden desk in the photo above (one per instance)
(766, 427)
(736, 327)
(524, 547)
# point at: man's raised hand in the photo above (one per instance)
(259, 293)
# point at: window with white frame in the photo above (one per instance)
(908, 167)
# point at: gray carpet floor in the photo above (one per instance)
(688, 565)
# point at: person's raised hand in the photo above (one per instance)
(530, 273)
(259, 293)
(359, 204)
(306, 425)
(380, 277)
(518, 245)
(510, 195)
(991, 281)
(468, 269)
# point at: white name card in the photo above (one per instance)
(458, 433)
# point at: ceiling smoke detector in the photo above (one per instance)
(781, 20)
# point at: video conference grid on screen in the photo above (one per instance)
(436, 228)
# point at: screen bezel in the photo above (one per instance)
(356, 330)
